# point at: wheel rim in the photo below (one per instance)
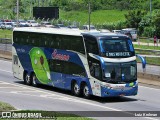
(76, 89)
(27, 79)
(86, 91)
(34, 80)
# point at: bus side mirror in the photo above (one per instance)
(143, 60)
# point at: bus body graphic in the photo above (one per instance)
(86, 63)
(40, 65)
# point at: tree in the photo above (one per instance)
(133, 18)
(156, 22)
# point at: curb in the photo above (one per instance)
(149, 79)
(5, 54)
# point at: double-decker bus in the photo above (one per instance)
(99, 64)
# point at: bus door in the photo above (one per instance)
(15, 66)
(57, 74)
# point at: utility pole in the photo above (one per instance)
(31, 9)
(38, 3)
(150, 8)
(17, 12)
(89, 14)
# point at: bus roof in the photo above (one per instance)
(101, 34)
(66, 31)
(49, 30)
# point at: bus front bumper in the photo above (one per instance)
(119, 90)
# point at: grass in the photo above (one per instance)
(151, 61)
(57, 115)
(5, 33)
(6, 107)
(146, 40)
(147, 47)
(97, 17)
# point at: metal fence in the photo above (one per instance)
(148, 42)
(5, 44)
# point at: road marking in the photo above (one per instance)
(6, 71)
(149, 88)
(3, 83)
(10, 87)
(5, 61)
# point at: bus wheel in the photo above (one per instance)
(85, 91)
(27, 79)
(76, 89)
(33, 80)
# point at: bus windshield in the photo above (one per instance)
(120, 72)
(116, 48)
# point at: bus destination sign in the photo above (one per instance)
(118, 54)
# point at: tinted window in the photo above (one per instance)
(56, 66)
(66, 68)
(95, 68)
(91, 45)
(115, 45)
(120, 72)
(64, 42)
(74, 43)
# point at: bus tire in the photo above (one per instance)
(75, 89)
(27, 79)
(33, 80)
(85, 91)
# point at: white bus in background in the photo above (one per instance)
(92, 28)
(132, 31)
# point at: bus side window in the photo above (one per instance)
(64, 40)
(31, 41)
(74, 69)
(95, 68)
(77, 44)
(43, 41)
(53, 41)
(56, 66)
(56, 44)
(27, 40)
(91, 45)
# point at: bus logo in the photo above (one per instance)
(6, 114)
(60, 56)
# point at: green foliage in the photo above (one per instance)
(105, 14)
(156, 22)
(133, 18)
(6, 107)
(149, 31)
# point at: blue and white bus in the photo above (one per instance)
(99, 64)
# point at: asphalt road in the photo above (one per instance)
(24, 97)
(150, 69)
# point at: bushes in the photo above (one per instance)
(148, 31)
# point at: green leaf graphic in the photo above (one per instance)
(40, 65)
